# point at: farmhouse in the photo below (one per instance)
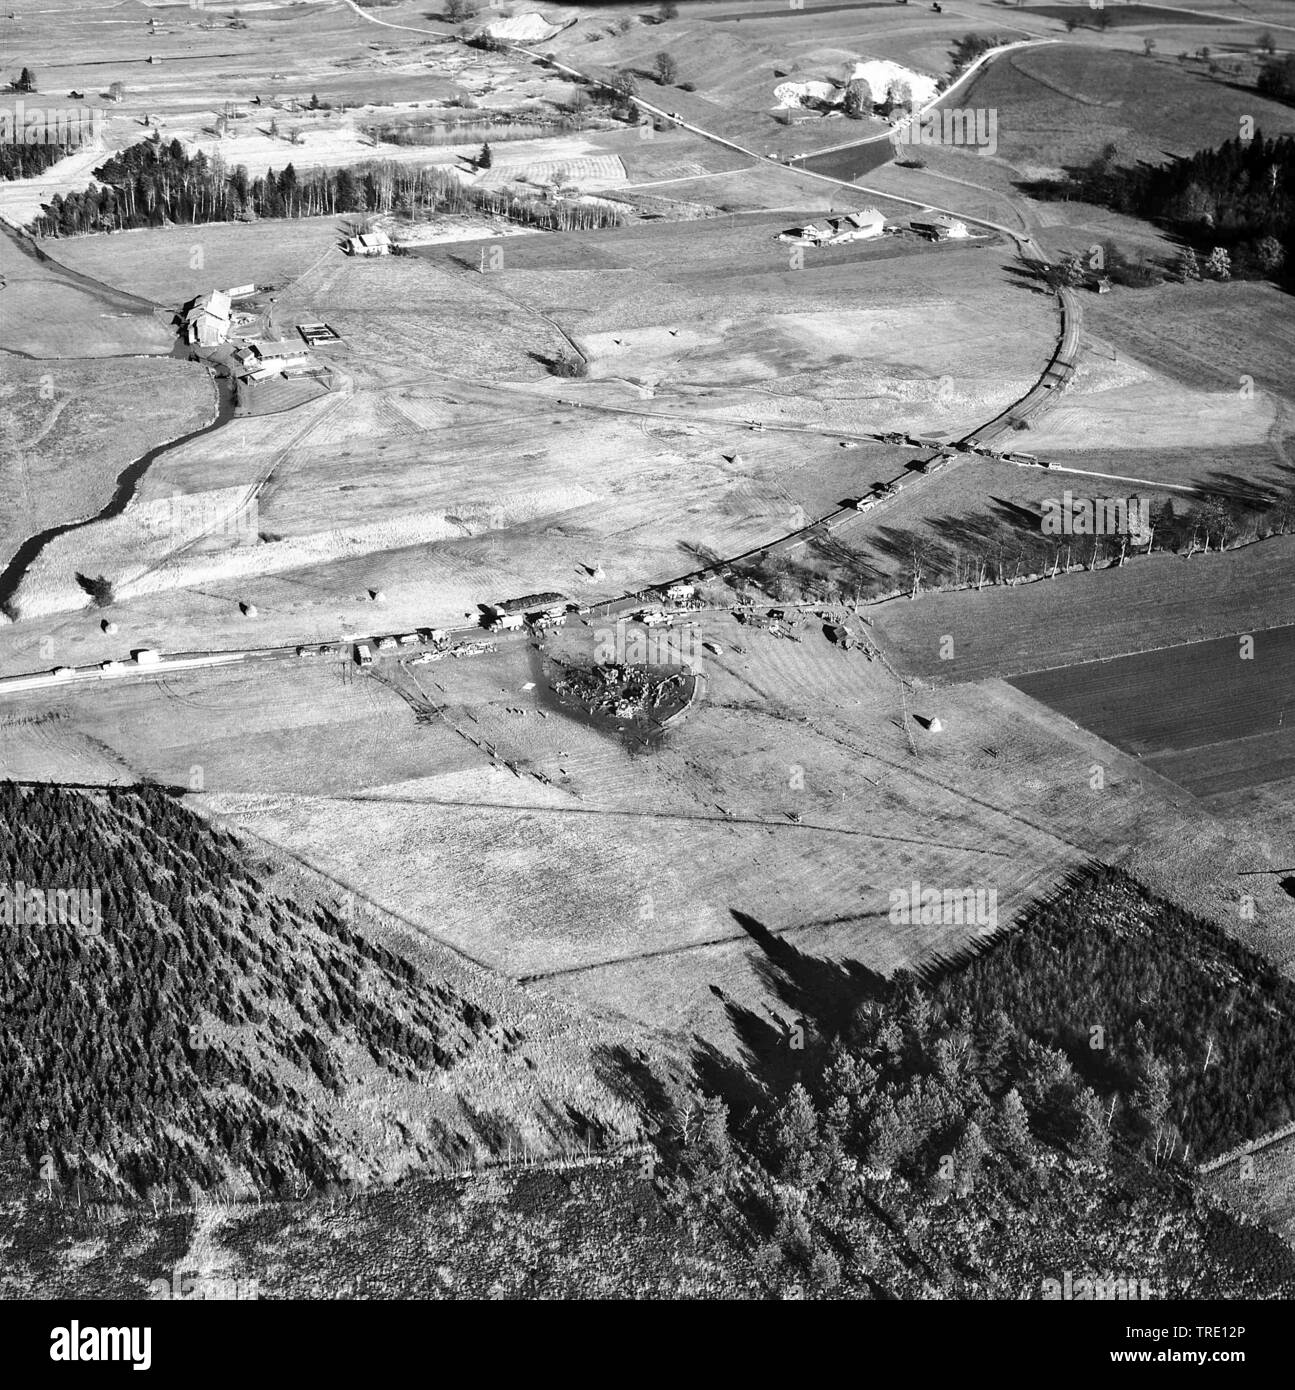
(206, 319)
(939, 227)
(852, 226)
(809, 233)
(252, 362)
(369, 244)
(857, 226)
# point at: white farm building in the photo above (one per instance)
(939, 227)
(850, 226)
(369, 244)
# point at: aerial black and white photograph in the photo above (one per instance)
(644, 658)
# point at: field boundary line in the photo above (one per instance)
(1141, 651)
(240, 827)
(738, 935)
(630, 814)
(1251, 1146)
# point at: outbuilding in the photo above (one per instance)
(939, 227)
(369, 244)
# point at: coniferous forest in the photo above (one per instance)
(154, 182)
(1039, 1107)
(26, 161)
(192, 1041)
(1237, 197)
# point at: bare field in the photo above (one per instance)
(1212, 337)
(1179, 708)
(51, 312)
(169, 265)
(1060, 105)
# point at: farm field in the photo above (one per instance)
(1200, 339)
(979, 507)
(52, 312)
(591, 885)
(1061, 105)
(1178, 708)
(169, 265)
(1119, 402)
(1158, 602)
(708, 334)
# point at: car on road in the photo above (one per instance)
(713, 647)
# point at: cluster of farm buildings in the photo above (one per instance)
(869, 223)
(212, 325)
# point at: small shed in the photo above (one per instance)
(369, 244)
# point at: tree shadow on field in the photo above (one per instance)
(628, 1074)
(820, 997)
(823, 992)
(1015, 515)
(1244, 492)
(1029, 276)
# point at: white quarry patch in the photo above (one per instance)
(798, 93)
(881, 73)
(530, 27)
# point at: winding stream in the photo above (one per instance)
(124, 488)
(127, 481)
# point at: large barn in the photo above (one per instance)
(206, 319)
